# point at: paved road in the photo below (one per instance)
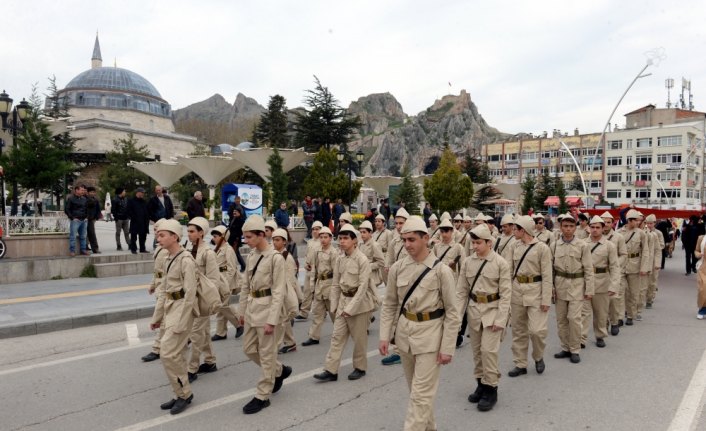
(92, 379)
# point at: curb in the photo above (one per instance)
(61, 323)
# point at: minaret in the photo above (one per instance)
(96, 59)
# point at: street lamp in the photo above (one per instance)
(344, 155)
(19, 114)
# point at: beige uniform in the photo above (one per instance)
(531, 288)
(383, 238)
(645, 281)
(450, 254)
(573, 279)
(373, 252)
(206, 263)
(180, 308)
(546, 237)
(637, 261)
(308, 294)
(654, 275)
(157, 286)
(395, 251)
(227, 267)
(607, 270)
(262, 302)
(352, 292)
(582, 232)
(434, 236)
(420, 338)
(503, 245)
(617, 302)
(489, 305)
(293, 287)
(322, 278)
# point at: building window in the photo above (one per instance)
(615, 145)
(671, 193)
(643, 176)
(614, 194)
(511, 173)
(628, 194)
(643, 160)
(529, 156)
(530, 171)
(615, 161)
(615, 178)
(643, 193)
(628, 160)
(494, 158)
(628, 177)
(595, 184)
(644, 143)
(669, 158)
(511, 156)
(669, 176)
(669, 141)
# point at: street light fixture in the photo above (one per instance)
(19, 114)
(344, 155)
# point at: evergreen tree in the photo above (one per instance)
(57, 104)
(476, 169)
(278, 180)
(325, 179)
(117, 174)
(576, 183)
(485, 193)
(324, 124)
(448, 189)
(528, 189)
(545, 188)
(271, 130)
(561, 193)
(408, 192)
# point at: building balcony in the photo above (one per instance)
(642, 183)
(644, 167)
(690, 183)
(512, 163)
(675, 183)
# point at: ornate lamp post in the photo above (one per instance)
(19, 114)
(344, 156)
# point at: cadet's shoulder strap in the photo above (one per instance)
(444, 253)
(398, 253)
(379, 235)
(522, 259)
(478, 274)
(595, 247)
(254, 270)
(172, 261)
(497, 244)
(414, 286)
(633, 234)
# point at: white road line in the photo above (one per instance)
(200, 408)
(687, 413)
(133, 335)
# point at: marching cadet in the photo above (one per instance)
(352, 300)
(448, 251)
(207, 264)
(372, 251)
(459, 231)
(504, 243)
(226, 261)
(180, 307)
(280, 238)
(321, 277)
(531, 296)
(434, 234)
(617, 302)
(270, 226)
(582, 231)
(262, 308)
(467, 225)
(542, 234)
(396, 252)
(308, 295)
(657, 252)
(420, 313)
(344, 219)
(637, 265)
(645, 281)
(490, 221)
(445, 216)
(382, 235)
(156, 286)
(485, 279)
(573, 283)
(606, 268)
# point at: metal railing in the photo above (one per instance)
(295, 222)
(17, 225)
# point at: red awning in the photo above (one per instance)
(573, 201)
(552, 201)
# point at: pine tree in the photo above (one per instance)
(545, 188)
(528, 189)
(326, 180)
(561, 194)
(448, 189)
(271, 130)
(485, 193)
(576, 183)
(278, 181)
(476, 169)
(408, 192)
(117, 174)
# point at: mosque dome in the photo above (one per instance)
(113, 79)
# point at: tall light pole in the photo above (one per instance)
(19, 114)
(344, 155)
(578, 167)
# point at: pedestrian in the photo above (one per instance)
(262, 310)
(421, 316)
(427, 213)
(122, 219)
(281, 216)
(308, 214)
(338, 209)
(308, 293)
(160, 207)
(225, 259)
(324, 262)
(194, 208)
(235, 238)
(93, 213)
(324, 212)
(293, 209)
(353, 300)
(157, 287)
(386, 211)
(236, 205)
(688, 238)
(139, 221)
(180, 307)
(484, 284)
(40, 208)
(75, 210)
(26, 211)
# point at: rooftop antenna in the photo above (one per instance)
(681, 98)
(669, 84)
(691, 96)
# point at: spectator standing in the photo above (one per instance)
(293, 209)
(236, 205)
(427, 213)
(93, 213)
(236, 234)
(40, 208)
(322, 211)
(386, 211)
(160, 205)
(338, 209)
(122, 221)
(308, 213)
(75, 210)
(691, 233)
(26, 212)
(281, 216)
(139, 220)
(194, 208)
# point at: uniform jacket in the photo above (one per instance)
(323, 264)
(270, 274)
(436, 290)
(383, 238)
(546, 237)
(227, 268)
(395, 250)
(180, 275)
(351, 275)
(604, 254)
(636, 242)
(494, 278)
(619, 242)
(658, 245)
(311, 246)
(373, 252)
(157, 283)
(453, 258)
(573, 257)
(503, 245)
(538, 262)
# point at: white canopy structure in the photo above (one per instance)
(381, 184)
(419, 179)
(165, 173)
(211, 169)
(256, 159)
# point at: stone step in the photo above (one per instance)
(97, 259)
(118, 269)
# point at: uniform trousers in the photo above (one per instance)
(308, 294)
(528, 323)
(357, 328)
(156, 345)
(486, 344)
(201, 343)
(644, 284)
(652, 286)
(596, 307)
(319, 308)
(632, 294)
(422, 374)
(617, 302)
(262, 350)
(226, 313)
(172, 357)
(568, 321)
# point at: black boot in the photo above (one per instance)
(489, 398)
(475, 396)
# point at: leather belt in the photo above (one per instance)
(261, 293)
(528, 278)
(177, 295)
(631, 255)
(485, 299)
(423, 317)
(223, 269)
(325, 276)
(601, 270)
(569, 274)
(350, 293)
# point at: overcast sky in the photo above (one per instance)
(528, 65)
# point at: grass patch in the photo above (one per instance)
(89, 271)
(57, 277)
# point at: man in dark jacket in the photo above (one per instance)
(237, 220)
(93, 213)
(194, 208)
(75, 210)
(323, 212)
(139, 220)
(308, 211)
(122, 223)
(236, 205)
(160, 205)
(281, 216)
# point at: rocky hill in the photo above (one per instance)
(390, 138)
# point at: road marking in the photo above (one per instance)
(72, 294)
(200, 408)
(687, 413)
(133, 335)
